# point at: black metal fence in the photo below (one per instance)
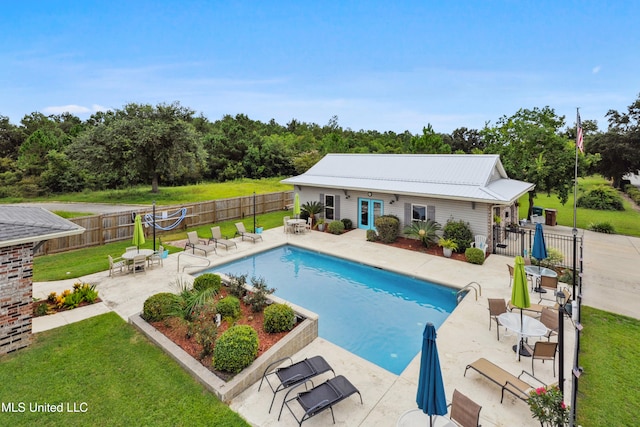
(513, 241)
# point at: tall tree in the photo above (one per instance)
(428, 143)
(533, 150)
(619, 147)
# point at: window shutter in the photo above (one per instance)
(431, 213)
(336, 207)
(407, 214)
(322, 201)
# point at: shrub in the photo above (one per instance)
(459, 232)
(207, 281)
(633, 192)
(388, 227)
(348, 224)
(279, 318)
(257, 298)
(229, 306)
(602, 227)
(205, 330)
(554, 257)
(602, 198)
(72, 300)
(158, 307)
(474, 256)
(87, 292)
(425, 231)
(236, 349)
(236, 285)
(336, 227)
(371, 236)
(40, 308)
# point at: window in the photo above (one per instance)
(329, 206)
(418, 213)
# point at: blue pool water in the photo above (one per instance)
(376, 314)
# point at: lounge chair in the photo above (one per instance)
(243, 232)
(194, 242)
(320, 398)
(544, 351)
(294, 374)
(464, 411)
(506, 380)
(497, 306)
(219, 239)
(116, 264)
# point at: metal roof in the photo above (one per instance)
(22, 224)
(475, 177)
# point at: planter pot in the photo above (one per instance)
(164, 255)
(447, 252)
(259, 230)
(320, 227)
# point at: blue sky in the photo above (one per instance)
(375, 64)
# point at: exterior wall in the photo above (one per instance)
(478, 215)
(16, 296)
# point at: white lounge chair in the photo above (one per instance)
(218, 239)
(194, 242)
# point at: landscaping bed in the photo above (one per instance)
(417, 246)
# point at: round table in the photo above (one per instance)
(537, 272)
(129, 255)
(297, 224)
(417, 418)
(529, 327)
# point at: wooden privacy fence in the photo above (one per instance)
(115, 227)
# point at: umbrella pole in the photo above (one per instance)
(431, 420)
(154, 226)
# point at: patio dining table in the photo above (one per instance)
(525, 326)
(298, 224)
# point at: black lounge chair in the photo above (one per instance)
(321, 397)
(295, 373)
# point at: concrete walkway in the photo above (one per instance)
(610, 283)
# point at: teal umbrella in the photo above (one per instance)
(138, 232)
(296, 206)
(431, 397)
(539, 250)
(520, 298)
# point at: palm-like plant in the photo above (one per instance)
(312, 208)
(425, 231)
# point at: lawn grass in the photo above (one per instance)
(123, 379)
(610, 355)
(625, 222)
(78, 263)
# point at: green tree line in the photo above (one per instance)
(169, 144)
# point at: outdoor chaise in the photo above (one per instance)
(218, 239)
(320, 398)
(294, 374)
(507, 381)
(243, 232)
(194, 243)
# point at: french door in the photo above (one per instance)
(368, 211)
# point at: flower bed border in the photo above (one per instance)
(298, 338)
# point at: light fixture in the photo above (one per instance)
(561, 300)
(391, 201)
(348, 196)
(369, 194)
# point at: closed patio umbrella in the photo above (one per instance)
(520, 298)
(431, 397)
(539, 250)
(296, 206)
(138, 232)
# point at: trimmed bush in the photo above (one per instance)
(348, 224)
(336, 227)
(236, 349)
(158, 307)
(554, 257)
(474, 256)
(602, 198)
(459, 232)
(206, 281)
(388, 227)
(279, 318)
(371, 236)
(602, 227)
(633, 192)
(229, 306)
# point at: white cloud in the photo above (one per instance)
(596, 69)
(73, 109)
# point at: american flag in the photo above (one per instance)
(579, 140)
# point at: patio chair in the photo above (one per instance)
(497, 306)
(550, 285)
(131, 248)
(156, 257)
(544, 351)
(321, 398)
(194, 242)
(536, 309)
(219, 239)
(287, 228)
(139, 264)
(506, 380)
(294, 374)
(549, 318)
(116, 264)
(464, 411)
(243, 232)
(480, 242)
(510, 267)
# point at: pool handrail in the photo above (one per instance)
(191, 265)
(469, 285)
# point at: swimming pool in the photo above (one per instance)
(375, 314)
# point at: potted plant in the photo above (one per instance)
(448, 246)
(259, 227)
(320, 224)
